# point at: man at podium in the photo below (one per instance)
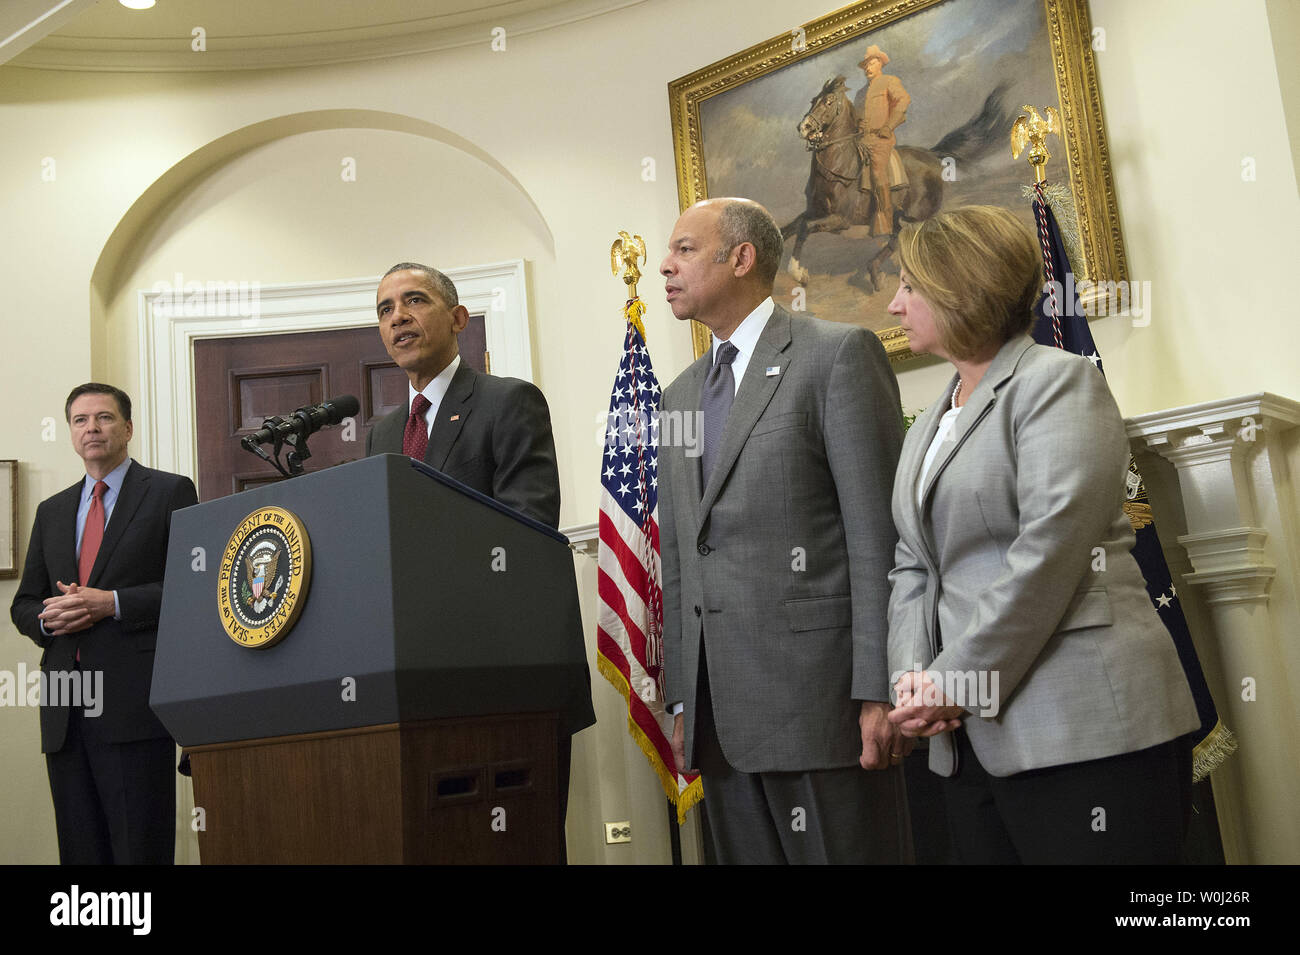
(492, 434)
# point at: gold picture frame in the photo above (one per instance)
(746, 99)
(8, 518)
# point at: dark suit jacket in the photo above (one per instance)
(501, 446)
(500, 442)
(131, 561)
(780, 564)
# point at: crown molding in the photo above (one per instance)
(435, 34)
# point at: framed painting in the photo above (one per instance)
(890, 111)
(8, 518)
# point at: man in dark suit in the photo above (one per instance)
(90, 596)
(777, 545)
(492, 434)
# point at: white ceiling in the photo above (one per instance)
(24, 22)
(265, 34)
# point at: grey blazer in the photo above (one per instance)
(780, 565)
(1017, 563)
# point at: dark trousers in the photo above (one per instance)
(847, 815)
(1126, 809)
(114, 803)
(563, 761)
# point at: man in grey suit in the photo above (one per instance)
(776, 546)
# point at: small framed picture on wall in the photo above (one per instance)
(9, 520)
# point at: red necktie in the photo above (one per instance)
(415, 440)
(93, 534)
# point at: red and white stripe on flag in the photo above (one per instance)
(629, 651)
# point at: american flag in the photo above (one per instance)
(1062, 322)
(630, 616)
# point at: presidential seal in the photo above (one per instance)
(264, 576)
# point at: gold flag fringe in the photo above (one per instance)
(1067, 218)
(1210, 752)
(633, 311)
(684, 799)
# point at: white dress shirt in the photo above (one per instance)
(745, 338)
(941, 437)
(434, 391)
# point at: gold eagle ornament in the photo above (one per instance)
(625, 251)
(1032, 131)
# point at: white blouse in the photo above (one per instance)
(941, 437)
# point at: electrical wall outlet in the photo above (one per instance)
(618, 832)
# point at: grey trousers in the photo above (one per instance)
(826, 816)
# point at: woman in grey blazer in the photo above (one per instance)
(1021, 638)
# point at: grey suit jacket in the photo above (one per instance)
(492, 434)
(1018, 565)
(780, 565)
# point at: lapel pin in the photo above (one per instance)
(454, 417)
(773, 370)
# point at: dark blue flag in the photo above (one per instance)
(1061, 323)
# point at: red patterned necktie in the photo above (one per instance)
(93, 534)
(415, 440)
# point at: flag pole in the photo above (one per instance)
(1215, 742)
(629, 642)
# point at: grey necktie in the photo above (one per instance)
(715, 404)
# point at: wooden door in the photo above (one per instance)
(241, 381)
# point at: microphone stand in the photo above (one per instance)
(299, 454)
(298, 442)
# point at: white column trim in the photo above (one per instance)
(1211, 446)
(1242, 538)
(583, 538)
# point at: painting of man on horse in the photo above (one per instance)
(834, 129)
(847, 144)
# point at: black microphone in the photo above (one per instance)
(303, 422)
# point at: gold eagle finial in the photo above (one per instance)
(625, 251)
(1032, 131)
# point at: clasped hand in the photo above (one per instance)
(76, 608)
(923, 710)
(882, 746)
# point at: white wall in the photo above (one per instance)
(536, 152)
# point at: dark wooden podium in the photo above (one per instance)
(411, 714)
